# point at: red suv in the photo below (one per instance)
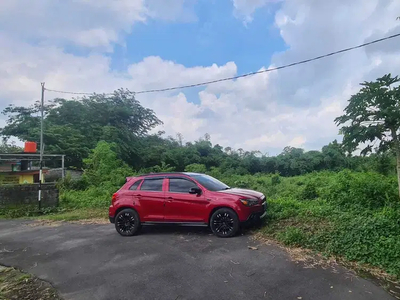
(185, 199)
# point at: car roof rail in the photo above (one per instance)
(165, 174)
(160, 173)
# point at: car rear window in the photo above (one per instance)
(154, 185)
(135, 185)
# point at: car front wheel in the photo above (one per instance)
(224, 222)
(127, 222)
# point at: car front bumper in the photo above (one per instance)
(257, 216)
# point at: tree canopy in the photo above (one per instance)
(372, 118)
(75, 127)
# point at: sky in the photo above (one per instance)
(101, 45)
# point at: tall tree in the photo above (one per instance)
(75, 127)
(373, 116)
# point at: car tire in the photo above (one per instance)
(127, 222)
(224, 222)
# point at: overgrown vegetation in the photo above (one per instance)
(329, 200)
(354, 215)
(75, 127)
(104, 174)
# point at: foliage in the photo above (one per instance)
(158, 168)
(103, 167)
(355, 216)
(70, 184)
(9, 147)
(104, 173)
(348, 214)
(275, 179)
(362, 190)
(74, 127)
(14, 284)
(373, 114)
(196, 168)
(88, 213)
(309, 192)
(292, 236)
(329, 200)
(24, 211)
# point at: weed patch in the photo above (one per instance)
(15, 284)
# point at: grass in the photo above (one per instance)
(60, 214)
(77, 214)
(353, 216)
(15, 284)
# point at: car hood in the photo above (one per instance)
(242, 192)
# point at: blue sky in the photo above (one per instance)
(103, 45)
(215, 37)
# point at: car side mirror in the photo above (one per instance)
(195, 190)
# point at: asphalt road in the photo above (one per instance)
(94, 262)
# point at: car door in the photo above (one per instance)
(180, 205)
(150, 199)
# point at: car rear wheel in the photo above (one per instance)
(127, 222)
(224, 222)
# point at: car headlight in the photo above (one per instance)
(249, 202)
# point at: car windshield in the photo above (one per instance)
(210, 183)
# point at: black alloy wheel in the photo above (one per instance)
(127, 222)
(224, 222)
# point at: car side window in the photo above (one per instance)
(154, 185)
(135, 185)
(180, 185)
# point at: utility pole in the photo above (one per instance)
(41, 148)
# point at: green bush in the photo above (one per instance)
(103, 175)
(196, 168)
(354, 215)
(275, 179)
(72, 184)
(362, 190)
(309, 192)
(371, 239)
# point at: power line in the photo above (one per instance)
(73, 93)
(247, 74)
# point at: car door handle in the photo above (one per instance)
(138, 196)
(169, 199)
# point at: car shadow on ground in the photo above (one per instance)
(183, 230)
(174, 229)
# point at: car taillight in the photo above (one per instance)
(114, 198)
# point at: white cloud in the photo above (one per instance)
(244, 9)
(266, 112)
(86, 23)
(172, 10)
